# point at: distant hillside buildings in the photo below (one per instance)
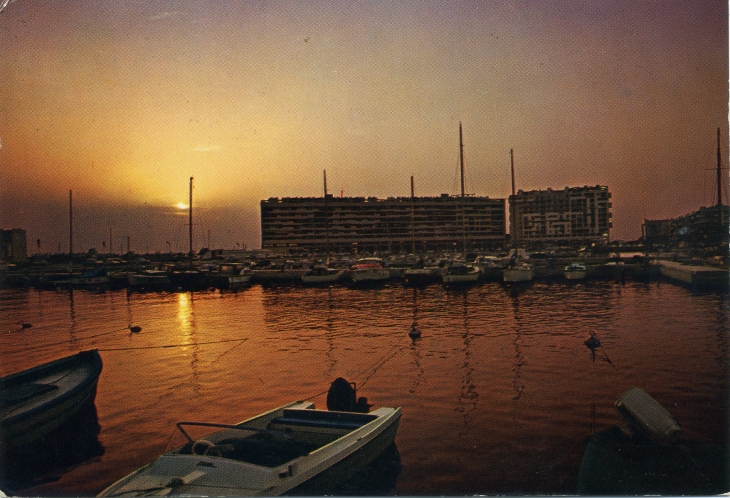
(13, 248)
(572, 216)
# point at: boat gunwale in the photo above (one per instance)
(90, 358)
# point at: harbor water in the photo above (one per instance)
(499, 394)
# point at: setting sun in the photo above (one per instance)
(181, 205)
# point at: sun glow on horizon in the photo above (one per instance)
(181, 205)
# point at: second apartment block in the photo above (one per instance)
(572, 216)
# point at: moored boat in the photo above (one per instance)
(460, 273)
(322, 274)
(36, 401)
(295, 448)
(648, 455)
(575, 271)
(149, 279)
(421, 276)
(518, 272)
(369, 270)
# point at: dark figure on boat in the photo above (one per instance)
(342, 397)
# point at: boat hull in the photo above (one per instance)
(575, 274)
(70, 384)
(518, 275)
(468, 278)
(369, 276)
(320, 279)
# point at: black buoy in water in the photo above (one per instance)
(592, 342)
(134, 328)
(414, 332)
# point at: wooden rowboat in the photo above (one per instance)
(36, 401)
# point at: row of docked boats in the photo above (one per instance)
(295, 448)
(369, 270)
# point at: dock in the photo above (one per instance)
(696, 276)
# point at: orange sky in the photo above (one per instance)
(123, 101)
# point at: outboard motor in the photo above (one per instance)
(342, 397)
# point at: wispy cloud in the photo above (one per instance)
(165, 15)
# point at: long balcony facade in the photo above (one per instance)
(395, 224)
(572, 216)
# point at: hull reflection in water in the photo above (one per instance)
(47, 459)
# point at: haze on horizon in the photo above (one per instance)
(122, 102)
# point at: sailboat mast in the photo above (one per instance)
(463, 213)
(326, 221)
(190, 218)
(512, 163)
(719, 175)
(70, 225)
(413, 218)
(461, 159)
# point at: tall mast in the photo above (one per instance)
(413, 218)
(70, 225)
(512, 163)
(512, 229)
(463, 213)
(326, 221)
(719, 176)
(461, 159)
(190, 218)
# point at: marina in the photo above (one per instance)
(503, 371)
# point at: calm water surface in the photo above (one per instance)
(498, 394)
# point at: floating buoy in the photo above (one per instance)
(135, 328)
(414, 332)
(593, 342)
(26, 325)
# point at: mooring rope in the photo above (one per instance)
(51, 344)
(375, 367)
(130, 348)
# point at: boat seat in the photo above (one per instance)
(322, 419)
(265, 452)
(23, 392)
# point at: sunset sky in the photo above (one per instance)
(123, 101)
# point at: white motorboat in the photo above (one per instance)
(575, 271)
(459, 273)
(369, 270)
(292, 449)
(518, 272)
(242, 279)
(149, 279)
(322, 274)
